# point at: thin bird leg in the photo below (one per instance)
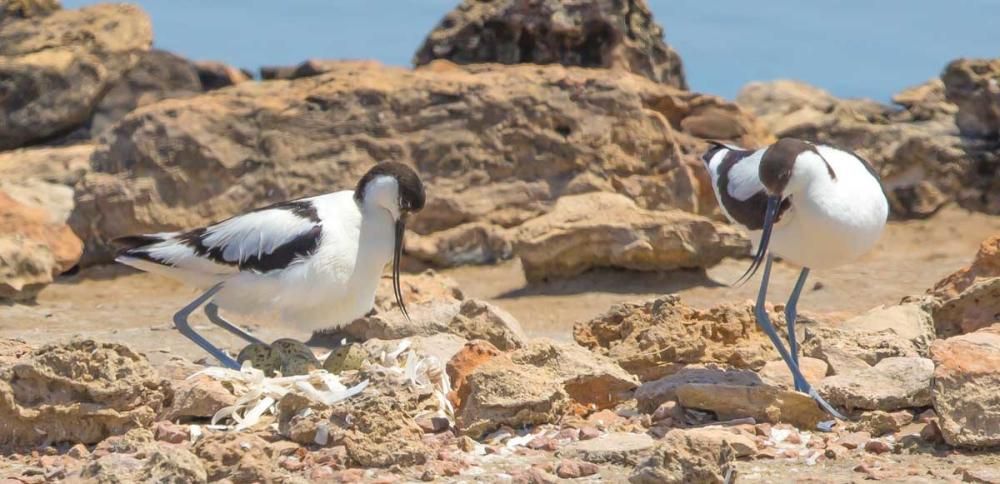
(212, 311)
(182, 325)
(791, 314)
(765, 323)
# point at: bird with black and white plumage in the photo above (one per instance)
(813, 205)
(317, 260)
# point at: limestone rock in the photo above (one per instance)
(764, 403)
(501, 392)
(27, 8)
(968, 296)
(64, 165)
(12, 351)
(892, 384)
(379, 432)
(910, 320)
(475, 134)
(661, 336)
(199, 397)
(651, 394)
(618, 448)
(588, 379)
(584, 33)
(776, 372)
(34, 249)
(82, 391)
(157, 75)
(827, 344)
(471, 243)
(240, 457)
(684, 456)
(609, 230)
(469, 319)
(974, 85)
(463, 363)
(58, 66)
(966, 379)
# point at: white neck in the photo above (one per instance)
(809, 169)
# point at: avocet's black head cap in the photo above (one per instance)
(411, 189)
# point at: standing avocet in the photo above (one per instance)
(316, 260)
(814, 206)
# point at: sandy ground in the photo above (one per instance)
(117, 304)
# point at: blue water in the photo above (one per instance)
(853, 48)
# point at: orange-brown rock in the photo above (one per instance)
(477, 134)
(470, 357)
(966, 379)
(594, 230)
(659, 337)
(970, 297)
(586, 33)
(34, 249)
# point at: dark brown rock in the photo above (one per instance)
(585, 33)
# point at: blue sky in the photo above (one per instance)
(854, 48)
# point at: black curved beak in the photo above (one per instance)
(770, 213)
(398, 254)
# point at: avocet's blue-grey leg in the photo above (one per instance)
(791, 313)
(181, 322)
(212, 311)
(765, 323)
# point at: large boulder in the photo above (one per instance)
(586, 33)
(157, 75)
(974, 85)
(55, 68)
(966, 379)
(916, 146)
(35, 247)
(495, 144)
(970, 297)
(659, 337)
(689, 455)
(608, 230)
(82, 391)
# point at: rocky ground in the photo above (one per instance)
(547, 343)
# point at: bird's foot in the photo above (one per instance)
(285, 356)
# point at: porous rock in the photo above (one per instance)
(651, 394)
(586, 33)
(501, 392)
(972, 84)
(474, 133)
(966, 379)
(609, 230)
(83, 391)
(469, 319)
(910, 320)
(832, 344)
(684, 456)
(659, 337)
(58, 66)
(34, 249)
(617, 448)
(893, 383)
(588, 379)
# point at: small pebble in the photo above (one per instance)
(588, 432)
(876, 446)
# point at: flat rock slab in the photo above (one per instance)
(620, 448)
(764, 403)
(893, 384)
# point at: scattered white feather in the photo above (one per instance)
(257, 394)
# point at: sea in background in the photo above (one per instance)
(853, 48)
